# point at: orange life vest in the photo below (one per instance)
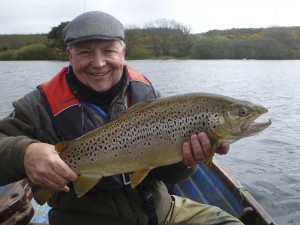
(61, 97)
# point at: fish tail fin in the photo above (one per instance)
(59, 147)
(42, 195)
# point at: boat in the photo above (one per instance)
(214, 185)
(211, 185)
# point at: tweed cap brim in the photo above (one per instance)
(94, 25)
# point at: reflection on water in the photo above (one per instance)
(267, 164)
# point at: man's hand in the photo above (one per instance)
(197, 150)
(45, 168)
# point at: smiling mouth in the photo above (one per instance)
(100, 74)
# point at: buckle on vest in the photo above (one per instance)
(126, 178)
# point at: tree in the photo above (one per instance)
(159, 37)
(260, 48)
(55, 35)
(169, 38)
(283, 35)
(211, 48)
(182, 38)
(132, 36)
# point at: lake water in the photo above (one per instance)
(266, 164)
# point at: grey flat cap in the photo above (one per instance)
(93, 25)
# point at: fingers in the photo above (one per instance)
(205, 144)
(196, 151)
(188, 157)
(63, 170)
(53, 181)
(200, 147)
(45, 168)
(224, 148)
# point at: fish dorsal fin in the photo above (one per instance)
(59, 147)
(84, 183)
(138, 176)
(134, 108)
(139, 105)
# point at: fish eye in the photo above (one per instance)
(243, 112)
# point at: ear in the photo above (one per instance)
(68, 50)
(124, 52)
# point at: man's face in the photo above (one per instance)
(97, 64)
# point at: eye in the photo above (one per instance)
(243, 112)
(110, 52)
(84, 52)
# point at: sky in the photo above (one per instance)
(39, 16)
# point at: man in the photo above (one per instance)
(96, 88)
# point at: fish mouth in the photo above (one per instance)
(257, 126)
(252, 126)
(248, 129)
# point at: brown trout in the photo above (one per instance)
(151, 133)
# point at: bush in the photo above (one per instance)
(261, 48)
(138, 52)
(37, 51)
(60, 54)
(211, 48)
(8, 55)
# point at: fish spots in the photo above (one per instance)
(162, 125)
(147, 144)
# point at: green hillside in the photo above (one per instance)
(15, 41)
(168, 39)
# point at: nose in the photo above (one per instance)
(99, 60)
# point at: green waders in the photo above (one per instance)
(187, 212)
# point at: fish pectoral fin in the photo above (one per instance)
(42, 195)
(84, 183)
(138, 176)
(212, 152)
(61, 146)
